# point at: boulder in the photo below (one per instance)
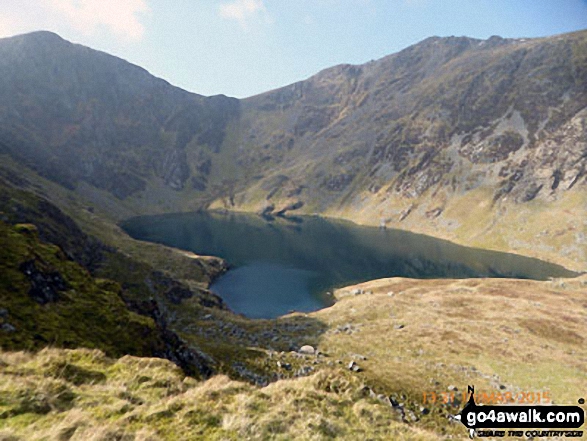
(307, 350)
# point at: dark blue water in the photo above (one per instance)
(287, 265)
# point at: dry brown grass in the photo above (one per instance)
(499, 335)
(150, 399)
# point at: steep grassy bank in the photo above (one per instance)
(83, 395)
(49, 300)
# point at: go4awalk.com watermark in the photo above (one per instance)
(514, 420)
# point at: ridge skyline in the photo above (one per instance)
(318, 72)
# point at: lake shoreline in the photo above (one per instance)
(280, 265)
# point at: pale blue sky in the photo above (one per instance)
(243, 47)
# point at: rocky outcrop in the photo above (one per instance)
(191, 360)
(448, 114)
(45, 285)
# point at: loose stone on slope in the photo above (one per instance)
(307, 350)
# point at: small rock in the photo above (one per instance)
(352, 366)
(390, 294)
(453, 388)
(307, 350)
(303, 371)
(399, 326)
(207, 317)
(402, 413)
(7, 327)
(359, 357)
(411, 416)
(393, 402)
(424, 410)
(356, 292)
(284, 365)
(3, 313)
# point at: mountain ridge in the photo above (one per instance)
(404, 141)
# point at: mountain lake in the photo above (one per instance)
(286, 264)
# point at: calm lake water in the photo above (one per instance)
(286, 265)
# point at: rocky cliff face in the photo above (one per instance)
(74, 114)
(448, 114)
(456, 137)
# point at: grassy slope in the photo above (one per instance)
(99, 220)
(499, 335)
(83, 395)
(492, 333)
(88, 312)
(550, 231)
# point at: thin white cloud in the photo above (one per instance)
(87, 17)
(21, 16)
(7, 26)
(243, 11)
